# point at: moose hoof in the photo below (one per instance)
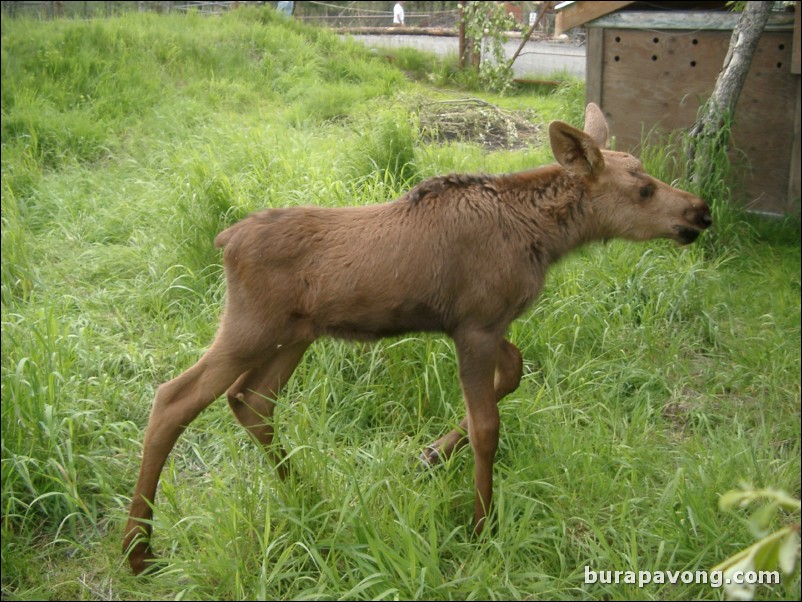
(429, 458)
(144, 562)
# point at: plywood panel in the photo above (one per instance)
(659, 78)
(764, 121)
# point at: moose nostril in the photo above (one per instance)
(699, 216)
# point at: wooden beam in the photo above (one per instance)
(579, 13)
(707, 21)
(397, 31)
(538, 82)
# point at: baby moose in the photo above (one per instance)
(461, 254)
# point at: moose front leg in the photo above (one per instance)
(509, 367)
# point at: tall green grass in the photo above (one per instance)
(656, 378)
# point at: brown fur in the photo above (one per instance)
(463, 255)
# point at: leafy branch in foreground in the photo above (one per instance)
(773, 551)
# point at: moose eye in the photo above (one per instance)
(646, 191)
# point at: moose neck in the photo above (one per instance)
(555, 210)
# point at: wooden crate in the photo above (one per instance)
(652, 70)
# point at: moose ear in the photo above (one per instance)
(575, 150)
(596, 125)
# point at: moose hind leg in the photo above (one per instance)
(477, 354)
(509, 367)
(252, 399)
(177, 403)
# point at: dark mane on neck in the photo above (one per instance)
(440, 184)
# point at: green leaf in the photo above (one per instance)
(760, 521)
(729, 500)
(767, 554)
(789, 552)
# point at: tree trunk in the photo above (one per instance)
(709, 134)
(469, 54)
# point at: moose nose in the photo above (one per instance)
(699, 215)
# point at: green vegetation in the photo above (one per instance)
(656, 377)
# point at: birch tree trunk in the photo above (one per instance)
(709, 136)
